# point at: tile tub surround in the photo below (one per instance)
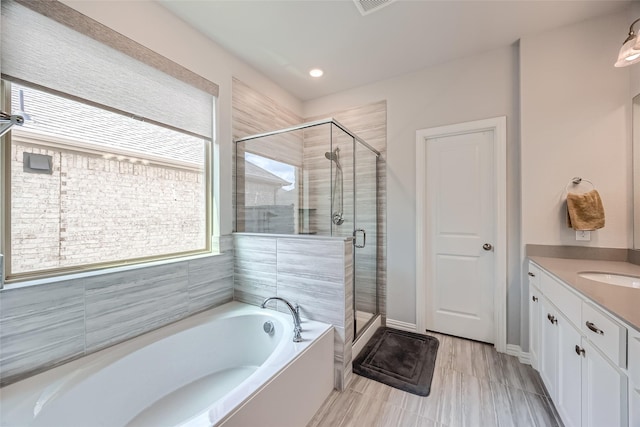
(313, 271)
(45, 325)
(621, 301)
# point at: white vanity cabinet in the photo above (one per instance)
(548, 351)
(534, 313)
(634, 378)
(568, 398)
(604, 391)
(581, 355)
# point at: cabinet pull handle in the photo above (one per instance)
(534, 298)
(552, 319)
(594, 328)
(531, 274)
(580, 351)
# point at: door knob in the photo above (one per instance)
(487, 246)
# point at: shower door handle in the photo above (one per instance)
(355, 238)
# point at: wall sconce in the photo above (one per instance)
(630, 50)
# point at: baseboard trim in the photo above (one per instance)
(515, 350)
(403, 326)
(512, 349)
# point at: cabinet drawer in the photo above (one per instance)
(566, 301)
(634, 359)
(605, 333)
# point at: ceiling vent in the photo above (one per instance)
(369, 6)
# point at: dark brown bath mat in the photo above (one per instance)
(400, 359)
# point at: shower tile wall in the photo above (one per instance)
(45, 325)
(313, 272)
(255, 270)
(319, 173)
(254, 113)
(344, 336)
(369, 122)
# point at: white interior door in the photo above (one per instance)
(460, 176)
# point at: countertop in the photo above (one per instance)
(621, 301)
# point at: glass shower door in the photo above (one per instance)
(365, 237)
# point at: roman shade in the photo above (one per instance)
(51, 46)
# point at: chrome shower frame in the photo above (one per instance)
(337, 215)
(310, 125)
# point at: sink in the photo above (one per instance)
(612, 279)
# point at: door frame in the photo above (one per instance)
(423, 216)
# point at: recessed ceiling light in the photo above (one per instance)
(316, 72)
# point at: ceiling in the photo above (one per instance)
(285, 39)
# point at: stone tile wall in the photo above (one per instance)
(42, 326)
(314, 272)
(254, 113)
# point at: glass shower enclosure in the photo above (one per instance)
(317, 178)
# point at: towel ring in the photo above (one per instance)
(577, 181)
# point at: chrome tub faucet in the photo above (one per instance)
(295, 312)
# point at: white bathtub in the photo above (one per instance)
(216, 368)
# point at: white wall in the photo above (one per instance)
(153, 26)
(575, 122)
(469, 89)
(574, 114)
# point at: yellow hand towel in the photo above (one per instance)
(585, 211)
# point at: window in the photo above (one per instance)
(270, 195)
(117, 188)
(113, 163)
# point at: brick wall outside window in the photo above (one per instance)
(94, 209)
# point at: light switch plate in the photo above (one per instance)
(583, 235)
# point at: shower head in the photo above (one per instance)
(333, 156)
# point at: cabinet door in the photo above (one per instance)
(634, 406)
(548, 354)
(534, 325)
(604, 391)
(569, 391)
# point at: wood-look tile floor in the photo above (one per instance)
(472, 385)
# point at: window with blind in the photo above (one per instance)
(113, 163)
